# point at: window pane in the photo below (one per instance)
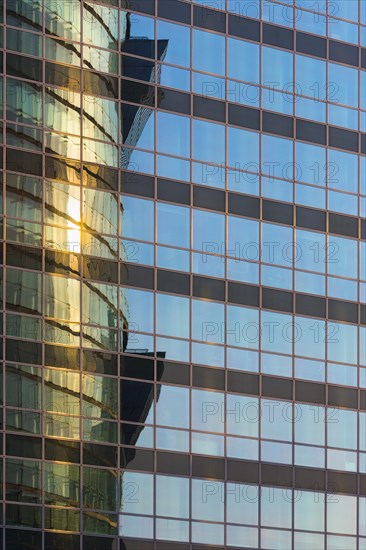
(311, 77)
(176, 39)
(172, 315)
(173, 225)
(208, 230)
(173, 134)
(243, 150)
(276, 507)
(343, 85)
(243, 60)
(208, 52)
(208, 141)
(277, 69)
(342, 514)
(309, 512)
(172, 496)
(169, 400)
(342, 428)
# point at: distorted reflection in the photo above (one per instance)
(63, 209)
(63, 18)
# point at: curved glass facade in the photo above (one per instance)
(183, 274)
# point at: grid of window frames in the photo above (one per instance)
(184, 274)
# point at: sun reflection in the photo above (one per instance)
(74, 222)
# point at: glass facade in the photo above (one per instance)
(183, 274)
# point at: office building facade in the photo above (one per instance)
(183, 274)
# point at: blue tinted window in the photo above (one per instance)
(363, 13)
(277, 189)
(310, 337)
(342, 374)
(310, 369)
(277, 244)
(207, 444)
(246, 94)
(240, 359)
(175, 78)
(342, 257)
(243, 239)
(342, 170)
(137, 209)
(242, 415)
(309, 456)
(277, 69)
(277, 101)
(209, 86)
(208, 52)
(277, 277)
(173, 168)
(206, 174)
(345, 9)
(242, 327)
(207, 264)
(310, 196)
(243, 60)
(341, 116)
(276, 364)
(211, 509)
(208, 141)
(277, 157)
(310, 282)
(309, 512)
(139, 162)
(311, 249)
(343, 85)
(145, 483)
(320, 7)
(172, 440)
(207, 320)
(172, 496)
(243, 149)
(172, 316)
(173, 225)
(276, 420)
(170, 399)
(172, 258)
(208, 354)
(342, 428)
(175, 39)
(310, 164)
(173, 134)
(207, 411)
(342, 202)
(278, 14)
(363, 175)
(363, 261)
(140, 309)
(340, 30)
(239, 447)
(246, 8)
(342, 518)
(310, 424)
(311, 77)
(247, 272)
(342, 342)
(277, 332)
(363, 88)
(310, 109)
(308, 21)
(244, 506)
(208, 230)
